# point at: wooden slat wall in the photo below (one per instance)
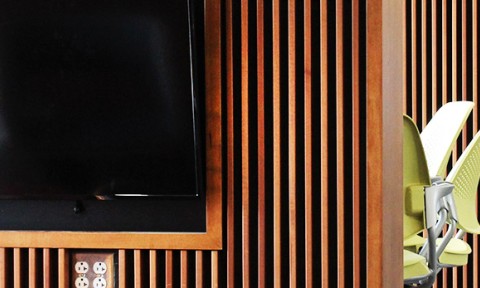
(449, 72)
(296, 91)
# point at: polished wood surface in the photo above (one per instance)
(261, 246)
(384, 103)
(277, 157)
(324, 135)
(301, 98)
(340, 146)
(245, 145)
(308, 143)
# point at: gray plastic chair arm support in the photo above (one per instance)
(424, 251)
(433, 194)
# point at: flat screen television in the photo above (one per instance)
(100, 126)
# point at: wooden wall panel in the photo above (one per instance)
(293, 82)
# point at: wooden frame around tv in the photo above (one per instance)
(209, 240)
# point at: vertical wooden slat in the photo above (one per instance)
(261, 143)
(340, 148)
(384, 135)
(32, 268)
(137, 268)
(168, 269)
(307, 30)
(214, 269)
(454, 53)
(63, 275)
(122, 269)
(245, 148)
(444, 52)
(183, 269)
(424, 61)
(199, 269)
(230, 147)
(454, 98)
(413, 59)
(292, 145)
(356, 144)
(3, 268)
(46, 268)
(153, 268)
(324, 249)
(475, 116)
(277, 256)
(434, 57)
(17, 268)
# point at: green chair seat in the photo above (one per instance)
(414, 265)
(456, 253)
(413, 243)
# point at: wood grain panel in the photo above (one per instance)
(292, 144)
(434, 48)
(340, 147)
(153, 266)
(384, 252)
(230, 146)
(324, 175)
(261, 246)
(169, 269)
(356, 154)
(475, 118)
(47, 268)
(413, 59)
(63, 271)
(32, 268)
(17, 269)
(214, 269)
(308, 142)
(137, 269)
(122, 269)
(183, 269)
(199, 269)
(277, 159)
(257, 232)
(245, 147)
(444, 52)
(424, 61)
(3, 268)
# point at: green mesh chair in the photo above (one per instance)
(441, 133)
(438, 139)
(415, 179)
(465, 176)
(425, 207)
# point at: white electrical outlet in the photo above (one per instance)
(82, 282)
(99, 282)
(81, 267)
(100, 268)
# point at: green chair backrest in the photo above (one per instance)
(441, 133)
(465, 175)
(415, 178)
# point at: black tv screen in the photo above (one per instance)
(97, 99)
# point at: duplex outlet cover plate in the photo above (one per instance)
(95, 268)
